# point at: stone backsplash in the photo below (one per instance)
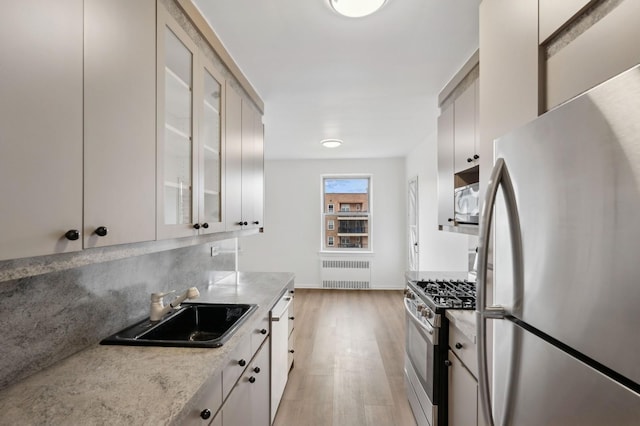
(47, 317)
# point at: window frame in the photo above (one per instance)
(368, 216)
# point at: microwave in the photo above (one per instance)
(467, 204)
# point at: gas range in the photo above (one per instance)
(426, 301)
(448, 294)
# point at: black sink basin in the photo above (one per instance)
(194, 325)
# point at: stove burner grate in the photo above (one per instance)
(456, 294)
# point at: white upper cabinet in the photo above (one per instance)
(210, 149)
(465, 129)
(445, 166)
(119, 121)
(554, 14)
(41, 46)
(233, 159)
(252, 167)
(244, 148)
(176, 208)
(189, 155)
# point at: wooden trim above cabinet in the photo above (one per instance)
(199, 21)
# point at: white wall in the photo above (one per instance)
(439, 250)
(291, 241)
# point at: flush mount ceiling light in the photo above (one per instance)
(331, 143)
(356, 8)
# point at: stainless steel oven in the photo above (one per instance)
(427, 335)
(423, 361)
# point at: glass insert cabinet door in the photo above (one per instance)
(190, 166)
(210, 138)
(178, 131)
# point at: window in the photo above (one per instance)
(347, 228)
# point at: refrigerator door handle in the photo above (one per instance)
(499, 178)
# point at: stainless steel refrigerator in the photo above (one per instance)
(564, 204)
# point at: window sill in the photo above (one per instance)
(346, 252)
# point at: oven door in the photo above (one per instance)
(421, 343)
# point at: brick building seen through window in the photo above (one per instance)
(346, 216)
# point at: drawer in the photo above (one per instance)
(236, 364)
(464, 349)
(205, 404)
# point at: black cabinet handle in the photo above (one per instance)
(292, 318)
(450, 220)
(245, 223)
(205, 414)
(256, 222)
(196, 226)
(205, 225)
(242, 363)
(102, 231)
(469, 160)
(256, 370)
(252, 379)
(476, 156)
(447, 363)
(291, 351)
(263, 331)
(72, 234)
(458, 345)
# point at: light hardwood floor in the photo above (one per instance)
(349, 361)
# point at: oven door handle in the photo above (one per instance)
(425, 327)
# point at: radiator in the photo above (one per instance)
(345, 273)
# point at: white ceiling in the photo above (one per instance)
(372, 82)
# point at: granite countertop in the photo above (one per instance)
(136, 384)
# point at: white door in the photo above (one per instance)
(413, 225)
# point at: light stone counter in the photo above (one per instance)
(136, 385)
(463, 320)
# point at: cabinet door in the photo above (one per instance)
(40, 127)
(210, 100)
(233, 159)
(252, 166)
(465, 129)
(258, 171)
(463, 394)
(119, 121)
(175, 154)
(236, 410)
(279, 355)
(445, 167)
(260, 402)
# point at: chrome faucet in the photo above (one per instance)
(159, 309)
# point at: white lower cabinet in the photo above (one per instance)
(463, 394)
(248, 401)
(282, 340)
(205, 404)
(463, 383)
